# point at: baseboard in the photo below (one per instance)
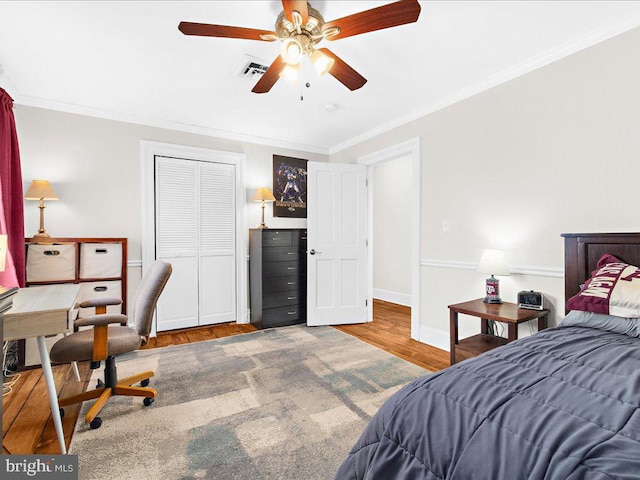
(434, 337)
(393, 297)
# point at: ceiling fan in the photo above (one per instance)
(300, 27)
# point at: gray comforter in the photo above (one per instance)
(562, 404)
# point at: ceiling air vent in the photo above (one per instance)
(252, 67)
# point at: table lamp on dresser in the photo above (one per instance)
(41, 190)
(263, 194)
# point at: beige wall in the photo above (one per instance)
(391, 230)
(556, 150)
(94, 166)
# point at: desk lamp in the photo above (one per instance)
(493, 262)
(41, 190)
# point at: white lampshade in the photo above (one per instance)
(493, 262)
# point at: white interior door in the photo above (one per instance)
(336, 244)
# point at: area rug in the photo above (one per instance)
(282, 403)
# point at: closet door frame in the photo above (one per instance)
(148, 151)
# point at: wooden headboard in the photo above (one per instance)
(583, 250)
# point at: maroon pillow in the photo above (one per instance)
(613, 289)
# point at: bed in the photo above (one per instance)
(561, 404)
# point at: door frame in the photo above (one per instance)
(409, 148)
(148, 151)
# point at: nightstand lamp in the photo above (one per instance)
(493, 262)
(41, 190)
(263, 194)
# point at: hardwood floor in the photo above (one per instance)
(391, 331)
(27, 427)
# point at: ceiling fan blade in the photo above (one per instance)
(300, 6)
(343, 72)
(391, 15)
(270, 77)
(209, 30)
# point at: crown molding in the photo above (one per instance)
(499, 78)
(161, 123)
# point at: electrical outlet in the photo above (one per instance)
(446, 225)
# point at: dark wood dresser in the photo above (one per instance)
(278, 276)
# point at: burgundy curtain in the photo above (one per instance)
(11, 209)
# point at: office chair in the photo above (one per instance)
(104, 342)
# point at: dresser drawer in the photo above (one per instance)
(300, 238)
(282, 299)
(277, 317)
(282, 284)
(50, 263)
(100, 260)
(279, 269)
(276, 238)
(282, 254)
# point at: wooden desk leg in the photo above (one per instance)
(542, 323)
(51, 390)
(512, 332)
(453, 335)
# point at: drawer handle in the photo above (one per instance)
(99, 289)
(101, 250)
(291, 253)
(291, 298)
(292, 313)
(52, 252)
(291, 268)
(291, 283)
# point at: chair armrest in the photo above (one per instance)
(103, 319)
(100, 302)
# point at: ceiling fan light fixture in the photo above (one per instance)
(321, 62)
(290, 72)
(331, 32)
(291, 51)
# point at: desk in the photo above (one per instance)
(37, 312)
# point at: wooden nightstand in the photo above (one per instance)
(506, 312)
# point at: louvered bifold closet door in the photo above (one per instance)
(177, 206)
(217, 243)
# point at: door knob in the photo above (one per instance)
(313, 252)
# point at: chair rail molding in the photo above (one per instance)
(537, 271)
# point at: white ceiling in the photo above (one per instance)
(128, 61)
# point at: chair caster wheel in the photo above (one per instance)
(100, 384)
(147, 401)
(61, 412)
(144, 382)
(95, 423)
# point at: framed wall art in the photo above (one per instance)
(289, 187)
